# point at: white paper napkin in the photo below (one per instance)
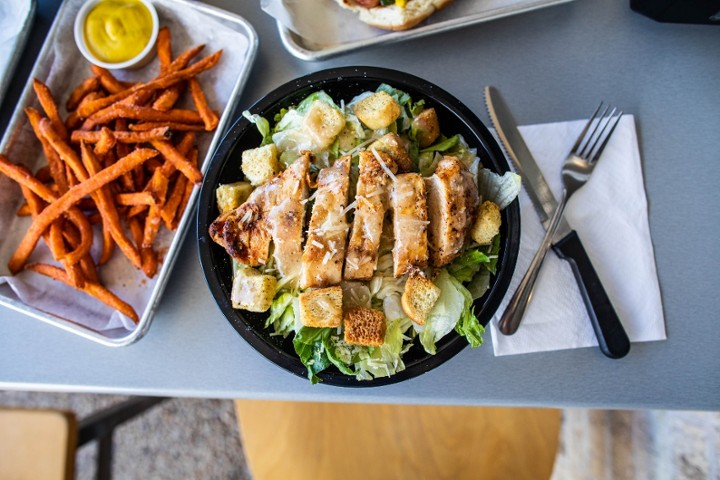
(610, 215)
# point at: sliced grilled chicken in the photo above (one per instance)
(452, 202)
(246, 232)
(324, 252)
(372, 202)
(408, 199)
(243, 234)
(286, 218)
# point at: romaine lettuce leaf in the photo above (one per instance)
(303, 106)
(443, 145)
(453, 310)
(261, 124)
(282, 315)
(499, 189)
(446, 312)
(385, 360)
(309, 344)
(468, 264)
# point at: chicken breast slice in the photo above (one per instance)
(322, 259)
(246, 232)
(408, 198)
(372, 203)
(286, 218)
(452, 203)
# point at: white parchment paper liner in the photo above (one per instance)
(64, 69)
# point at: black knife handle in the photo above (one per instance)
(610, 333)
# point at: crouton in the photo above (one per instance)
(487, 224)
(419, 298)
(232, 195)
(260, 164)
(252, 291)
(393, 145)
(365, 326)
(379, 110)
(321, 307)
(324, 123)
(426, 127)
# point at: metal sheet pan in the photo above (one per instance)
(11, 51)
(233, 73)
(306, 50)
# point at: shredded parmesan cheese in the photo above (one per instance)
(327, 258)
(349, 207)
(310, 198)
(317, 244)
(383, 166)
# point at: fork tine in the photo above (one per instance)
(581, 137)
(601, 147)
(591, 139)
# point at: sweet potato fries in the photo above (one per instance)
(125, 158)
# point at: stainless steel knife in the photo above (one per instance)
(612, 339)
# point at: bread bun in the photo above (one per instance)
(393, 17)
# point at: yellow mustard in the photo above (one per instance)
(118, 30)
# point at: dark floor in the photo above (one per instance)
(178, 439)
(198, 439)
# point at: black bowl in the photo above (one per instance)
(345, 83)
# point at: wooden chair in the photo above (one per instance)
(41, 444)
(319, 441)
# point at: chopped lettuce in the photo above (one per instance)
(282, 315)
(261, 124)
(468, 326)
(468, 264)
(443, 145)
(499, 189)
(453, 310)
(445, 313)
(320, 95)
(309, 344)
(339, 353)
(475, 266)
(385, 360)
(479, 284)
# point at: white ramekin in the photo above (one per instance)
(138, 61)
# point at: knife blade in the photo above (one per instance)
(611, 335)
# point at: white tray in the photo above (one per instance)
(240, 46)
(21, 13)
(459, 14)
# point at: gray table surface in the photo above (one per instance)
(552, 65)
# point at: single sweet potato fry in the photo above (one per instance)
(88, 85)
(48, 104)
(210, 118)
(181, 163)
(93, 289)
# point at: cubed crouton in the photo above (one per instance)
(324, 123)
(260, 164)
(379, 110)
(365, 326)
(487, 224)
(393, 145)
(232, 195)
(427, 127)
(321, 307)
(252, 291)
(419, 298)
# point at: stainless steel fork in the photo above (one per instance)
(576, 172)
